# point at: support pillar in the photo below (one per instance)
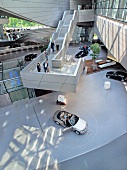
(1, 31)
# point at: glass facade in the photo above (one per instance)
(3, 17)
(11, 82)
(116, 9)
(18, 94)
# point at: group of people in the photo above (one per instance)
(65, 118)
(53, 46)
(45, 64)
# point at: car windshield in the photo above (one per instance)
(73, 120)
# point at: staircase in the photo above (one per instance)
(62, 76)
(63, 30)
(63, 36)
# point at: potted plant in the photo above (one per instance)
(95, 53)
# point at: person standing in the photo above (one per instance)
(45, 66)
(52, 46)
(57, 47)
(38, 67)
(46, 55)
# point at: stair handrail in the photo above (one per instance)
(55, 35)
(68, 35)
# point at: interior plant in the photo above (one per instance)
(95, 48)
(44, 48)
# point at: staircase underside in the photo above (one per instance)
(85, 24)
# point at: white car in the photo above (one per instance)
(70, 122)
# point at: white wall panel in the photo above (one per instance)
(86, 15)
(74, 3)
(52, 78)
(31, 83)
(114, 36)
(52, 81)
(33, 76)
(4, 20)
(50, 86)
(70, 80)
(47, 12)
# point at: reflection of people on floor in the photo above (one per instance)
(38, 67)
(45, 66)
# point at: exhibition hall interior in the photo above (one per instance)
(63, 85)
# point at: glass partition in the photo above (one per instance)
(2, 88)
(116, 9)
(11, 82)
(11, 73)
(10, 64)
(18, 94)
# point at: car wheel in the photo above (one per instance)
(57, 123)
(77, 132)
(108, 77)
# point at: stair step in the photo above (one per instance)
(68, 18)
(63, 31)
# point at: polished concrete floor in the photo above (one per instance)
(111, 156)
(31, 140)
